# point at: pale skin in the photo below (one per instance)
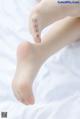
(30, 57)
(48, 11)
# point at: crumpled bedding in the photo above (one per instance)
(57, 85)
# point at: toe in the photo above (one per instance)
(28, 100)
(34, 24)
(26, 94)
(35, 31)
(31, 100)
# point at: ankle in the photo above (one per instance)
(41, 53)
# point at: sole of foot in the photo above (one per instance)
(28, 65)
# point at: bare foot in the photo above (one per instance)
(45, 13)
(28, 64)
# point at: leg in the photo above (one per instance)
(47, 12)
(30, 57)
(62, 33)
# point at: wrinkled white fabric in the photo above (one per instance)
(56, 87)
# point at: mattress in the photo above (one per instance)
(57, 85)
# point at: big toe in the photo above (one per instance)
(26, 94)
(29, 100)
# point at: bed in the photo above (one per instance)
(56, 87)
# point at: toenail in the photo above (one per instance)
(35, 25)
(34, 20)
(37, 35)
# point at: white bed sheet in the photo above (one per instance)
(56, 88)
